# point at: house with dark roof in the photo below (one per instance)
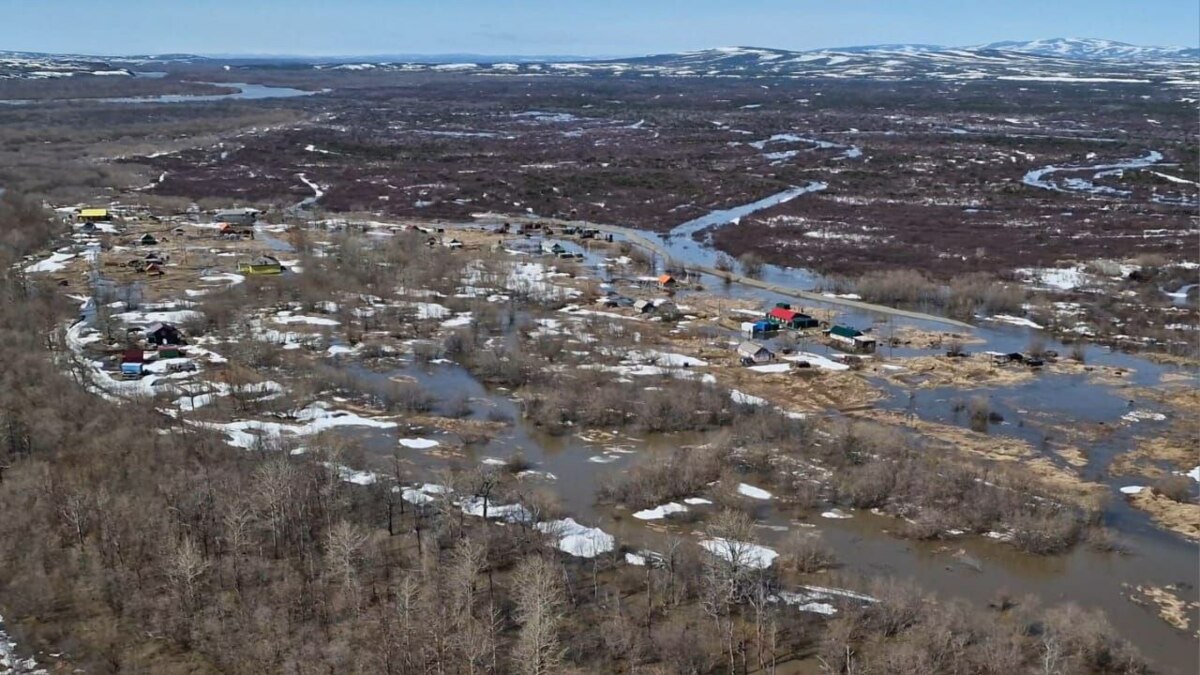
(750, 352)
(852, 338)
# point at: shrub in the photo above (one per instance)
(752, 264)
(808, 553)
(1045, 533)
(895, 287)
(1176, 488)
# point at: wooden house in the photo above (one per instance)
(791, 319)
(852, 338)
(163, 334)
(263, 265)
(752, 352)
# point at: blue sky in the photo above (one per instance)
(598, 27)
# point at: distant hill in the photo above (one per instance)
(1054, 60)
(1091, 48)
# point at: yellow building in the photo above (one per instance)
(94, 215)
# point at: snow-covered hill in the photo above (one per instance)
(883, 62)
(1056, 60)
(1091, 48)
(32, 66)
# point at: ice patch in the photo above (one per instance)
(578, 540)
(753, 492)
(660, 512)
(418, 443)
(740, 553)
(56, 262)
(771, 368)
(1015, 321)
(1143, 416)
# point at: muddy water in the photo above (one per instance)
(971, 568)
(975, 569)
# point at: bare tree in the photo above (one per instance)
(538, 650)
(185, 566)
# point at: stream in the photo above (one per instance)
(246, 91)
(1038, 178)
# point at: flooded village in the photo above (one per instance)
(741, 360)
(623, 403)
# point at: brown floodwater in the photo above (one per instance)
(973, 568)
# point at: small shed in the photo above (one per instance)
(148, 240)
(131, 371)
(133, 356)
(666, 281)
(753, 352)
(163, 334)
(169, 351)
(95, 216)
(644, 306)
(553, 248)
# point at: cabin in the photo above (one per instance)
(666, 281)
(644, 306)
(751, 352)
(148, 240)
(95, 216)
(163, 334)
(852, 337)
(791, 319)
(263, 265)
(244, 217)
(232, 231)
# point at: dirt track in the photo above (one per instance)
(639, 239)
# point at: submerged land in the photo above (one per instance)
(478, 383)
